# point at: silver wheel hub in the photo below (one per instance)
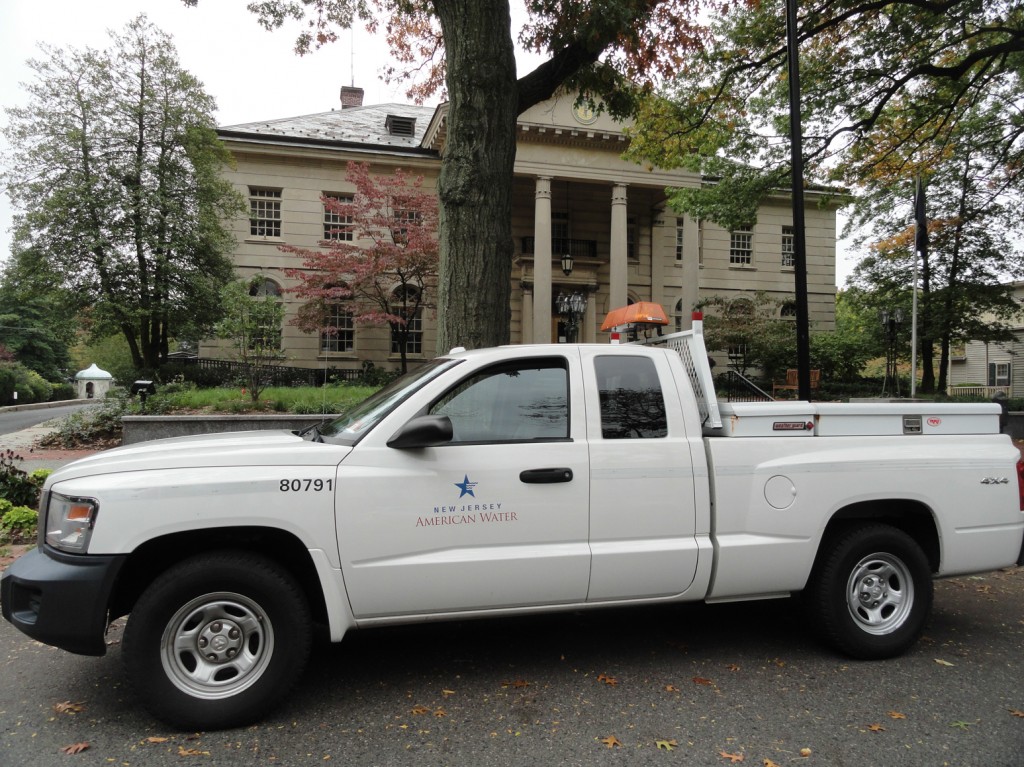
(217, 645)
(880, 593)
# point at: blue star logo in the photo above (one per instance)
(466, 486)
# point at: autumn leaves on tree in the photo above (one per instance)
(378, 264)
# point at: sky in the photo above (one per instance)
(253, 74)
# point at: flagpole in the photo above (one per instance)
(920, 245)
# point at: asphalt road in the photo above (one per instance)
(16, 420)
(711, 683)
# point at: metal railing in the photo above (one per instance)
(561, 245)
(738, 388)
(987, 392)
(280, 375)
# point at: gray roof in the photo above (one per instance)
(363, 125)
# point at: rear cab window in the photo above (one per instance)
(631, 399)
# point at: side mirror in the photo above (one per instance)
(423, 431)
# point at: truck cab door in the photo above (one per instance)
(643, 503)
(495, 518)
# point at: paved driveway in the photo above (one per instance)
(689, 685)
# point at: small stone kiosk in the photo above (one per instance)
(93, 383)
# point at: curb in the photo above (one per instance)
(38, 405)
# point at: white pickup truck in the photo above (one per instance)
(510, 480)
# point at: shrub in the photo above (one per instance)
(16, 486)
(18, 524)
(62, 391)
(93, 425)
(29, 385)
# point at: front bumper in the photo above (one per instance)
(61, 599)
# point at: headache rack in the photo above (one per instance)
(689, 345)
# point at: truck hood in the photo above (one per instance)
(240, 448)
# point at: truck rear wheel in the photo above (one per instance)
(871, 592)
(217, 640)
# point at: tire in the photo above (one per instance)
(871, 592)
(217, 640)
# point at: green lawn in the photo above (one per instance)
(285, 399)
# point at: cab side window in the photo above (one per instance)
(523, 401)
(632, 405)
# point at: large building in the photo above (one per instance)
(573, 195)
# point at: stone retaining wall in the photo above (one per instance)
(141, 428)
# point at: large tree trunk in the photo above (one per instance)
(475, 185)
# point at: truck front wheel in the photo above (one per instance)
(871, 592)
(217, 640)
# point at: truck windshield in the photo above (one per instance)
(349, 428)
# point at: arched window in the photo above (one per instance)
(265, 286)
(678, 315)
(788, 310)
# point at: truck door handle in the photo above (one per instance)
(545, 476)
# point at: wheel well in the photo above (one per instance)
(912, 517)
(155, 556)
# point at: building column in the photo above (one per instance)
(619, 266)
(589, 322)
(542, 261)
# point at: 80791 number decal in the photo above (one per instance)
(306, 485)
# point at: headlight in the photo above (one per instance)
(69, 522)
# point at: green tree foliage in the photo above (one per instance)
(759, 340)
(974, 227)
(252, 324)
(750, 331)
(115, 166)
(21, 386)
(881, 85)
(607, 49)
(38, 330)
(891, 91)
(381, 275)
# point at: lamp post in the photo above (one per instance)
(572, 307)
(892, 319)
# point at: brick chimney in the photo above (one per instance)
(351, 96)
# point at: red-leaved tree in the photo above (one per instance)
(379, 263)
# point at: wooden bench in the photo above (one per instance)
(792, 378)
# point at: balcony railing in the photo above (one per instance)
(562, 245)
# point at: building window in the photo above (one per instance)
(631, 251)
(788, 247)
(700, 243)
(338, 334)
(264, 287)
(741, 247)
(337, 226)
(408, 306)
(559, 226)
(737, 354)
(264, 212)
(677, 316)
(403, 218)
(999, 374)
(788, 310)
(679, 240)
